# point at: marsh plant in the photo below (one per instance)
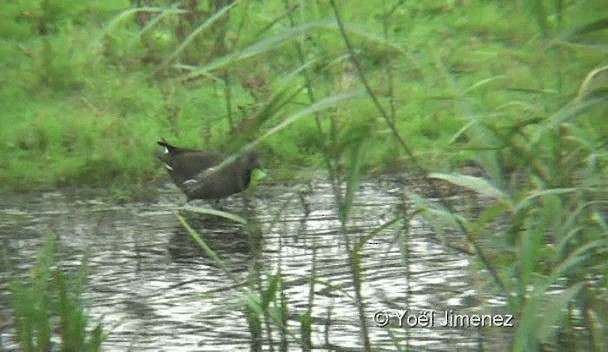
(546, 211)
(48, 309)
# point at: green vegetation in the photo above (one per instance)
(501, 97)
(544, 236)
(88, 87)
(519, 87)
(47, 307)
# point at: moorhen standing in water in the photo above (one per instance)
(203, 174)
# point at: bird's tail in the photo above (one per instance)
(168, 147)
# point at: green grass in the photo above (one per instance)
(87, 90)
(47, 307)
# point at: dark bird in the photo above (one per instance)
(203, 174)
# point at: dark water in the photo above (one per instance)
(154, 289)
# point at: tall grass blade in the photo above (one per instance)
(584, 29)
(530, 246)
(270, 293)
(352, 181)
(193, 35)
(538, 11)
(49, 302)
(306, 331)
(528, 200)
(572, 110)
(554, 311)
(215, 212)
(437, 215)
(482, 83)
(584, 89)
(284, 315)
(257, 48)
(272, 108)
(153, 22)
(475, 184)
(254, 322)
(205, 247)
(320, 105)
(128, 14)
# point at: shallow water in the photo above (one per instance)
(154, 289)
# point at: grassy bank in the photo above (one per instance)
(87, 88)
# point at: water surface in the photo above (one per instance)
(155, 290)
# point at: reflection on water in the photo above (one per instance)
(154, 288)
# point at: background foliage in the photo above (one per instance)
(89, 86)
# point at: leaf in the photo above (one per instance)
(127, 14)
(598, 218)
(193, 35)
(320, 105)
(584, 88)
(554, 310)
(283, 96)
(598, 25)
(476, 184)
(537, 8)
(259, 47)
(568, 112)
(436, 214)
(352, 182)
(306, 331)
(563, 243)
(486, 216)
(483, 82)
(531, 245)
(270, 292)
(215, 212)
(196, 236)
(368, 236)
(153, 22)
(252, 302)
(525, 202)
(537, 319)
(527, 321)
